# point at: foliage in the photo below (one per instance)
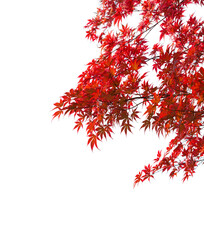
(115, 86)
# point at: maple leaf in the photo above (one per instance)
(57, 114)
(78, 125)
(138, 178)
(93, 140)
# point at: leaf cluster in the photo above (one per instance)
(115, 86)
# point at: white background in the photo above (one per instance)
(52, 186)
